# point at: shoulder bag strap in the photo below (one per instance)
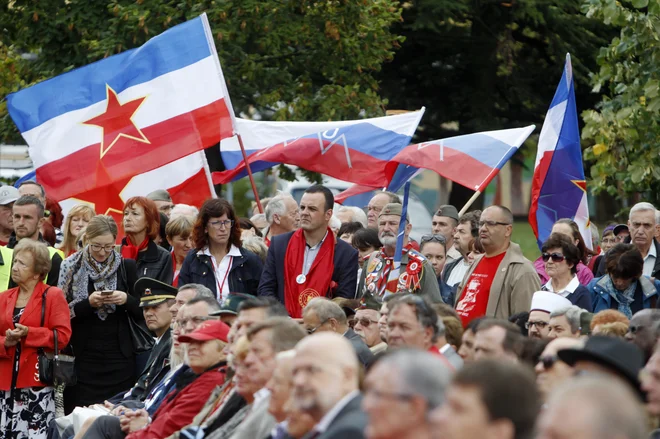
(43, 306)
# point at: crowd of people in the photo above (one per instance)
(303, 322)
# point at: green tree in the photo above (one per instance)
(623, 129)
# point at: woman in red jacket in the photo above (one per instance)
(26, 404)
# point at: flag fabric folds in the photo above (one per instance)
(558, 187)
(98, 126)
(355, 150)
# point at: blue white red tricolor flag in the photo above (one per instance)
(90, 131)
(354, 150)
(559, 188)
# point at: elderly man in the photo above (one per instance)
(544, 303)
(489, 399)
(465, 233)
(401, 391)
(350, 214)
(256, 310)
(279, 386)
(186, 293)
(8, 194)
(163, 201)
(33, 189)
(593, 407)
(565, 322)
(376, 205)
(497, 339)
(501, 282)
(281, 215)
(326, 375)
(366, 326)
(310, 262)
(642, 330)
(445, 220)
(321, 314)
(415, 274)
(551, 372)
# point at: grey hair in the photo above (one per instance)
(423, 374)
(426, 315)
(286, 355)
(210, 301)
(572, 313)
(184, 210)
(335, 223)
(200, 290)
(657, 216)
(326, 310)
(357, 214)
(275, 206)
(442, 330)
(644, 207)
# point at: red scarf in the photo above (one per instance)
(130, 251)
(175, 282)
(317, 281)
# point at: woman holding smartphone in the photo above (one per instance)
(98, 284)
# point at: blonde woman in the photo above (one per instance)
(74, 225)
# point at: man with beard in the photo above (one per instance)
(416, 273)
(544, 303)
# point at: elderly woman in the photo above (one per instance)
(218, 261)
(570, 229)
(98, 284)
(74, 225)
(624, 288)
(26, 404)
(141, 225)
(561, 258)
(179, 235)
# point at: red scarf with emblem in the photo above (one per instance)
(317, 281)
(130, 250)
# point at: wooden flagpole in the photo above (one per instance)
(469, 203)
(249, 171)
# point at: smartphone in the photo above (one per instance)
(107, 293)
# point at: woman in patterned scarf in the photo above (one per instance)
(98, 285)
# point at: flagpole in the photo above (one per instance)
(469, 203)
(249, 171)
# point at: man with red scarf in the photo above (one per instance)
(310, 262)
(415, 274)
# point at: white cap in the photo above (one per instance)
(8, 194)
(548, 302)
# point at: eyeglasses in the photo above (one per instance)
(556, 257)
(389, 395)
(635, 329)
(492, 224)
(98, 247)
(365, 322)
(310, 331)
(609, 240)
(548, 361)
(433, 238)
(539, 324)
(222, 224)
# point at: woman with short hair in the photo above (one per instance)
(179, 235)
(26, 404)
(142, 227)
(74, 225)
(219, 261)
(561, 258)
(98, 284)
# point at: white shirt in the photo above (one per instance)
(649, 261)
(221, 270)
(458, 273)
(570, 288)
(445, 348)
(310, 255)
(326, 420)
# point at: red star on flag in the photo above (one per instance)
(117, 121)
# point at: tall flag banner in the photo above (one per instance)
(93, 129)
(398, 252)
(355, 150)
(472, 160)
(559, 189)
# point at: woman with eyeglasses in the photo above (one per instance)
(569, 228)
(560, 257)
(624, 288)
(218, 260)
(142, 227)
(98, 285)
(434, 248)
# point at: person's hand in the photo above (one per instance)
(11, 339)
(120, 410)
(134, 421)
(96, 299)
(116, 298)
(21, 330)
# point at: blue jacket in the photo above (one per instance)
(344, 273)
(645, 296)
(243, 275)
(448, 293)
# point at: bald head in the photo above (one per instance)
(330, 348)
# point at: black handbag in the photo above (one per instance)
(142, 339)
(55, 368)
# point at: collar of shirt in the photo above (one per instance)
(445, 348)
(326, 420)
(282, 426)
(570, 288)
(261, 395)
(652, 252)
(319, 244)
(233, 251)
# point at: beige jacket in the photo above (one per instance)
(513, 286)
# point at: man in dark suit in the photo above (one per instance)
(310, 262)
(321, 314)
(325, 386)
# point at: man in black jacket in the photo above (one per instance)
(307, 267)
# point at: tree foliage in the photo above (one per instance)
(624, 129)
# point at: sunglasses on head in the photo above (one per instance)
(433, 238)
(556, 257)
(548, 361)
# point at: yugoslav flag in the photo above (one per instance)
(92, 129)
(355, 150)
(559, 189)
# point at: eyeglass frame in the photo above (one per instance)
(539, 325)
(221, 224)
(106, 248)
(311, 331)
(434, 237)
(547, 256)
(492, 223)
(548, 361)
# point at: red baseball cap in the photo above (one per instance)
(209, 330)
